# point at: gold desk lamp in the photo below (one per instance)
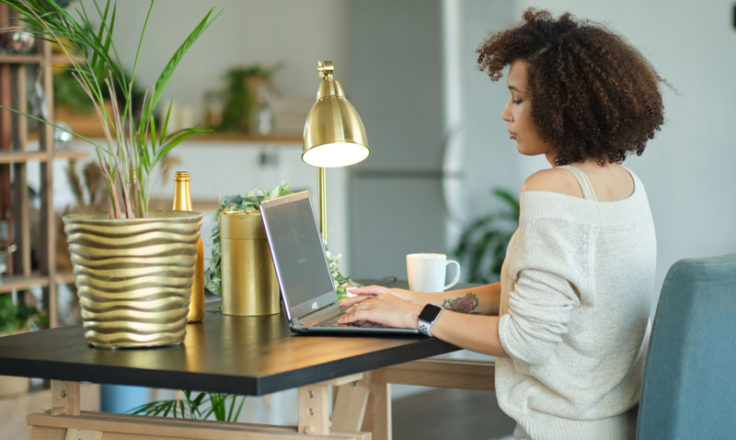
(334, 135)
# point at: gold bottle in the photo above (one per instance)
(183, 202)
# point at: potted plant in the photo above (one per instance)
(240, 210)
(17, 317)
(244, 97)
(240, 267)
(133, 267)
(482, 244)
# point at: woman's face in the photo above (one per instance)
(518, 114)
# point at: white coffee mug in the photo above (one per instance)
(427, 272)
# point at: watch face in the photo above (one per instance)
(429, 313)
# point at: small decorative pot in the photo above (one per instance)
(133, 276)
(249, 283)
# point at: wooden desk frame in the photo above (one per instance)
(362, 401)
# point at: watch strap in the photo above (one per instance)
(427, 317)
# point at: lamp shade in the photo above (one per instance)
(334, 135)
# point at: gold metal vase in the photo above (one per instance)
(133, 276)
(249, 283)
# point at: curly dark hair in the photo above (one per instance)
(593, 95)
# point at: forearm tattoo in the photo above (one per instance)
(462, 304)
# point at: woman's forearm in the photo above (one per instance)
(476, 333)
(481, 300)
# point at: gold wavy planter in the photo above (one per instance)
(133, 276)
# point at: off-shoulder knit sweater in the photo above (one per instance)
(575, 296)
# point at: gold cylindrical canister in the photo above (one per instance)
(249, 284)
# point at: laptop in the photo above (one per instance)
(307, 290)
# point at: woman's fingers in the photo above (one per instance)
(355, 300)
(359, 294)
(388, 310)
(358, 312)
(368, 290)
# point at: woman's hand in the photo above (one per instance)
(383, 306)
(367, 292)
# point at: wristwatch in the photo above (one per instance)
(427, 317)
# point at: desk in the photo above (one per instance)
(242, 355)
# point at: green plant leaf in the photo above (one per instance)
(128, 157)
(167, 72)
(482, 244)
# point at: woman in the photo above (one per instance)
(567, 321)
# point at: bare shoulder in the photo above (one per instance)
(553, 180)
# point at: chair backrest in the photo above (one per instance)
(689, 388)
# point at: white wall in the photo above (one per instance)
(295, 33)
(292, 33)
(688, 167)
(478, 148)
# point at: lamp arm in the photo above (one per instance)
(322, 186)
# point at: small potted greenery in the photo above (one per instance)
(17, 317)
(133, 267)
(250, 202)
(240, 268)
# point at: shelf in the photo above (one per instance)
(20, 58)
(20, 282)
(244, 137)
(71, 154)
(65, 277)
(41, 156)
(22, 156)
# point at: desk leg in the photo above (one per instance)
(65, 398)
(314, 415)
(349, 406)
(378, 416)
(348, 409)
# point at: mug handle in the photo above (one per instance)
(457, 274)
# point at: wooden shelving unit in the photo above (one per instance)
(240, 138)
(15, 206)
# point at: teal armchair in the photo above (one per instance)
(689, 388)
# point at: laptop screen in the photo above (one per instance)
(298, 253)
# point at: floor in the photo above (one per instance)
(450, 414)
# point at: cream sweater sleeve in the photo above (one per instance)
(548, 268)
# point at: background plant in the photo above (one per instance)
(239, 100)
(199, 406)
(482, 245)
(19, 316)
(134, 146)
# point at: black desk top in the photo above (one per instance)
(242, 355)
